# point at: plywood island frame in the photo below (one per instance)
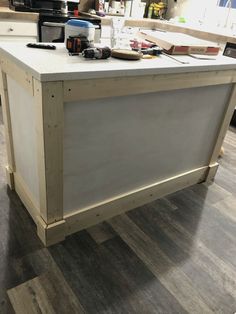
(44, 157)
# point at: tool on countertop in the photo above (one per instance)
(41, 46)
(136, 44)
(79, 28)
(126, 54)
(175, 59)
(154, 51)
(96, 53)
(199, 57)
(76, 44)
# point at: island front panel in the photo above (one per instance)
(81, 158)
(114, 146)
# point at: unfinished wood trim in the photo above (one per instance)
(10, 178)
(24, 78)
(49, 130)
(49, 234)
(52, 233)
(157, 24)
(7, 123)
(87, 217)
(225, 124)
(212, 172)
(111, 87)
(26, 196)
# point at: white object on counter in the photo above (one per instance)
(79, 27)
(138, 9)
(64, 7)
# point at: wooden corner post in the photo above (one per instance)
(49, 130)
(10, 167)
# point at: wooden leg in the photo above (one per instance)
(52, 233)
(212, 172)
(10, 178)
(49, 128)
(10, 168)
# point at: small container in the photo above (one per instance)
(80, 28)
(64, 7)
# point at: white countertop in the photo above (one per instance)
(56, 65)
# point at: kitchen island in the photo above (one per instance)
(87, 140)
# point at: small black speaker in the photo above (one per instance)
(230, 50)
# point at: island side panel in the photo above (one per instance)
(117, 145)
(22, 115)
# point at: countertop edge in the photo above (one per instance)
(20, 64)
(113, 73)
(6, 13)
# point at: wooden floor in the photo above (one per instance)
(175, 255)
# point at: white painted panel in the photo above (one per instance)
(115, 145)
(12, 28)
(22, 109)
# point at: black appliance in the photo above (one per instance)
(41, 5)
(230, 50)
(51, 19)
(51, 26)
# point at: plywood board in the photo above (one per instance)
(22, 109)
(116, 145)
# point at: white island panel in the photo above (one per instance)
(23, 120)
(116, 145)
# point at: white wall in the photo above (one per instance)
(205, 11)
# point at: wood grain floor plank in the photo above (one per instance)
(161, 266)
(227, 207)
(213, 229)
(47, 293)
(210, 193)
(225, 178)
(206, 276)
(220, 270)
(153, 297)
(169, 203)
(101, 232)
(110, 278)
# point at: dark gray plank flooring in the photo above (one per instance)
(174, 255)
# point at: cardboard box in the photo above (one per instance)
(180, 44)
